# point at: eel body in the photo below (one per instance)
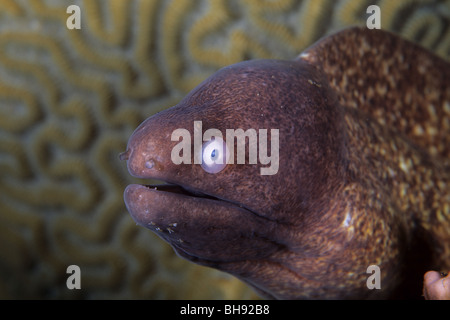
(363, 171)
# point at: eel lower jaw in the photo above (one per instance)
(203, 227)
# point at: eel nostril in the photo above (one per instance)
(125, 155)
(149, 164)
(152, 163)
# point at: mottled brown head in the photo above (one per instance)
(237, 218)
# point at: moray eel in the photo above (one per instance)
(362, 180)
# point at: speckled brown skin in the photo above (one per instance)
(359, 183)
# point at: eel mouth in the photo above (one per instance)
(173, 189)
(145, 201)
(178, 189)
(200, 227)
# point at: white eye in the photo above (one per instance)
(214, 155)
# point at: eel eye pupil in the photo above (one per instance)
(214, 155)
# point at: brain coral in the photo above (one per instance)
(69, 100)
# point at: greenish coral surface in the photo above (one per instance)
(70, 99)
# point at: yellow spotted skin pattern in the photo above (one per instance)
(418, 171)
(397, 117)
(69, 100)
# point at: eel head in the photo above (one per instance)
(237, 219)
